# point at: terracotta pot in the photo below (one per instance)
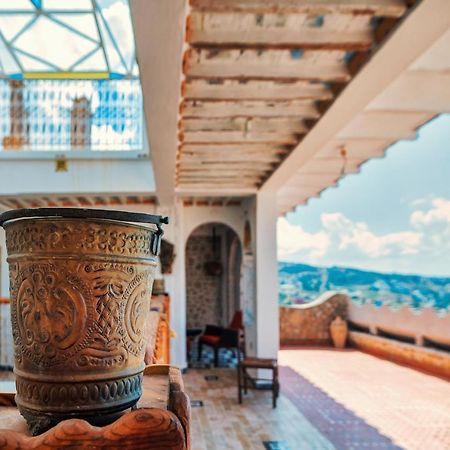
(339, 331)
(80, 294)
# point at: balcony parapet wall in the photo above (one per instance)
(429, 360)
(420, 328)
(417, 339)
(309, 324)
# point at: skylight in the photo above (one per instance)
(66, 39)
(69, 79)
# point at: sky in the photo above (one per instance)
(392, 216)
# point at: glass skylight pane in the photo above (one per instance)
(117, 14)
(16, 5)
(135, 72)
(54, 43)
(95, 63)
(9, 66)
(85, 23)
(10, 25)
(74, 5)
(33, 64)
(115, 63)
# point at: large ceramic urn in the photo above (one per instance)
(80, 285)
(339, 332)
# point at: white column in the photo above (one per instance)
(176, 287)
(267, 328)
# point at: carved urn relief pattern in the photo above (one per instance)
(79, 321)
(55, 323)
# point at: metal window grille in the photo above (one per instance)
(62, 115)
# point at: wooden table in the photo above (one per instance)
(160, 421)
(244, 378)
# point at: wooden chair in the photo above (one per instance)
(219, 337)
(244, 379)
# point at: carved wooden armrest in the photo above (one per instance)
(146, 428)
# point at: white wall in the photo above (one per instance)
(176, 285)
(4, 272)
(267, 322)
(83, 176)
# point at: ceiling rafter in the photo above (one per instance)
(260, 74)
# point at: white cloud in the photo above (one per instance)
(439, 212)
(358, 234)
(434, 223)
(294, 241)
(422, 247)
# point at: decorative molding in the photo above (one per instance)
(88, 237)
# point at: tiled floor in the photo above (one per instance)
(410, 407)
(223, 424)
(330, 399)
(344, 400)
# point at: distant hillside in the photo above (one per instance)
(301, 283)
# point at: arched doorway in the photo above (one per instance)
(213, 276)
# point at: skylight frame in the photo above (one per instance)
(106, 42)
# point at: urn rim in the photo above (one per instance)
(82, 213)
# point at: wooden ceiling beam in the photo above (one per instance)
(115, 200)
(213, 165)
(387, 8)
(254, 90)
(84, 201)
(14, 203)
(98, 200)
(241, 180)
(298, 109)
(226, 137)
(228, 159)
(50, 202)
(273, 31)
(231, 148)
(236, 182)
(239, 64)
(223, 159)
(233, 157)
(242, 124)
(148, 200)
(32, 202)
(202, 187)
(221, 170)
(220, 182)
(132, 200)
(67, 201)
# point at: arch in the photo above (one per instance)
(196, 217)
(212, 297)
